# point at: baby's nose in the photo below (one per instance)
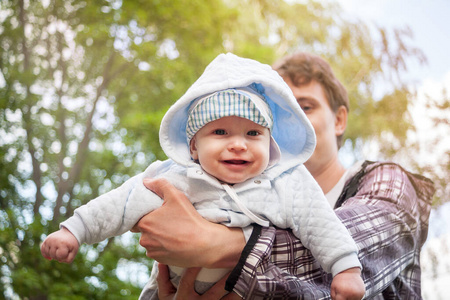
(237, 144)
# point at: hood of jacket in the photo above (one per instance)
(291, 130)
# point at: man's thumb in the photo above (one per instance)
(160, 187)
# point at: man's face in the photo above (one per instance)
(313, 101)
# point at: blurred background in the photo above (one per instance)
(84, 85)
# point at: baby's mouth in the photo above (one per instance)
(236, 161)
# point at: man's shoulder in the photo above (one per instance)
(393, 169)
(363, 168)
(386, 172)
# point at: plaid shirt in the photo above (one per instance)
(386, 210)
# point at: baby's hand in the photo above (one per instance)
(60, 245)
(348, 285)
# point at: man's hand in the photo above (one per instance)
(176, 234)
(60, 245)
(166, 290)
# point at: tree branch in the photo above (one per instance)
(36, 174)
(62, 137)
(82, 150)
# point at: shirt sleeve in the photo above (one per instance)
(386, 211)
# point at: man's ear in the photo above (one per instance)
(193, 149)
(341, 120)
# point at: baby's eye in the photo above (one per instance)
(219, 131)
(253, 133)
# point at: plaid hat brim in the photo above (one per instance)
(239, 102)
(226, 103)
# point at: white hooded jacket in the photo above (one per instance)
(286, 195)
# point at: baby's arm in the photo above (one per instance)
(60, 245)
(348, 285)
(108, 215)
(314, 222)
(113, 213)
(320, 230)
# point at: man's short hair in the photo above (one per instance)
(302, 68)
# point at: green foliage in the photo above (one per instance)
(83, 88)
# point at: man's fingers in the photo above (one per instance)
(166, 191)
(217, 291)
(163, 273)
(186, 288)
(159, 186)
(135, 228)
(188, 278)
(165, 286)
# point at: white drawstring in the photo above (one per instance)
(243, 208)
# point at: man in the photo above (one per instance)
(384, 207)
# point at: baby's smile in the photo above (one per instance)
(236, 161)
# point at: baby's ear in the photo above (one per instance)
(193, 149)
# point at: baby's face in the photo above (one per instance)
(232, 149)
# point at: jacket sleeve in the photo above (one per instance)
(386, 211)
(315, 223)
(113, 213)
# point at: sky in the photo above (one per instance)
(429, 21)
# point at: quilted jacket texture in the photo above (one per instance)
(285, 194)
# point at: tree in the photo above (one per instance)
(437, 107)
(440, 173)
(71, 71)
(435, 269)
(84, 85)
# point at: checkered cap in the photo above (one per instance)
(231, 102)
